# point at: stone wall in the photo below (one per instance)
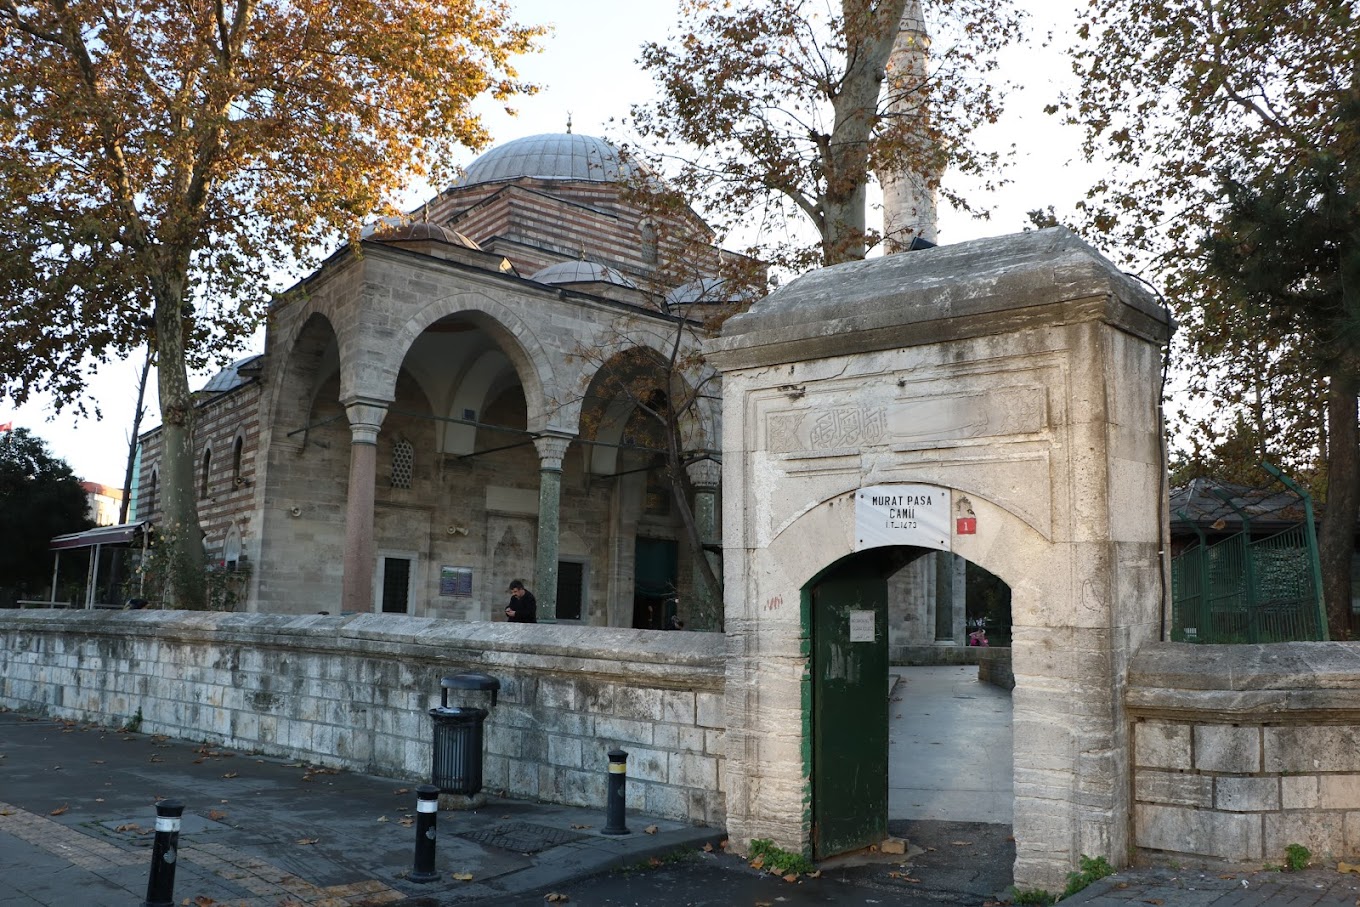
(353, 692)
(994, 665)
(1240, 751)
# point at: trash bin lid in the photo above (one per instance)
(471, 680)
(455, 712)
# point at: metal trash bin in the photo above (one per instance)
(457, 763)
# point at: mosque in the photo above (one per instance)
(469, 395)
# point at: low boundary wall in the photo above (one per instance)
(354, 691)
(1242, 750)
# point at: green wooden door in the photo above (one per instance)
(849, 712)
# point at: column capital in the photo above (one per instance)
(705, 475)
(552, 447)
(365, 416)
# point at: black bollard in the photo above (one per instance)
(616, 798)
(427, 818)
(160, 886)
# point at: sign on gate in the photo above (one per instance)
(902, 515)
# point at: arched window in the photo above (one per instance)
(207, 469)
(144, 511)
(231, 549)
(236, 461)
(649, 244)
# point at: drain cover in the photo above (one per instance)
(522, 837)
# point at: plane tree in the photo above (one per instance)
(171, 159)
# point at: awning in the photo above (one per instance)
(104, 535)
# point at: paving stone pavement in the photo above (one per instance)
(1222, 887)
(77, 809)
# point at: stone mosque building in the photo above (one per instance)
(448, 406)
(451, 404)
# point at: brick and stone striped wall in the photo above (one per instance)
(354, 691)
(1240, 751)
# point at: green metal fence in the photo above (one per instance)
(1245, 590)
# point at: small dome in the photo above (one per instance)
(235, 375)
(402, 229)
(708, 290)
(565, 272)
(552, 156)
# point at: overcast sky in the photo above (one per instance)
(588, 70)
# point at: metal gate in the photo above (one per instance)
(849, 620)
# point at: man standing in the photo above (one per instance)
(523, 608)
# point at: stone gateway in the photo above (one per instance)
(1020, 374)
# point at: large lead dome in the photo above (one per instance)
(552, 156)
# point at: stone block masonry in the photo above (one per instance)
(1240, 751)
(353, 691)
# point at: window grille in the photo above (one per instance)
(403, 463)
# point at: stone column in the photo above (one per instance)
(705, 476)
(365, 418)
(551, 449)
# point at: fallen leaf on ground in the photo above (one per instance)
(1348, 867)
(651, 829)
(758, 863)
(203, 901)
(555, 898)
(580, 826)
(382, 819)
(962, 843)
(407, 822)
(402, 790)
(305, 841)
(60, 810)
(791, 877)
(462, 876)
(230, 775)
(1155, 902)
(132, 827)
(97, 761)
(708, 848)
(655, 862)
(216, 815)
(815, 874)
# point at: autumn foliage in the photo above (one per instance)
(161, 162)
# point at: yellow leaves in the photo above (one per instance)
(307, 842)
(461, 876)
(60, 810)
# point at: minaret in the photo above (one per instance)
(908, 195)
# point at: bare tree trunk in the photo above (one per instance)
(180, 534)
(1336, 543)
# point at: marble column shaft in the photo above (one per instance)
(365, 419)
(551, 450)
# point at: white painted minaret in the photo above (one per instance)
(908, 196)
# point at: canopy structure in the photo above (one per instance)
(126, 536)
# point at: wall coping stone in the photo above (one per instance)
(603, 651)
(1246, 681)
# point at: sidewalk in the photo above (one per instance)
(77, 813)
(1222, 888)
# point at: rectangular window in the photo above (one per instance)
(571, 581)
(396, 585)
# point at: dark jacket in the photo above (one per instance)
(525, 608)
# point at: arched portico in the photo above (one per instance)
(1018, 378)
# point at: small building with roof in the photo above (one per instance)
(466, 396)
